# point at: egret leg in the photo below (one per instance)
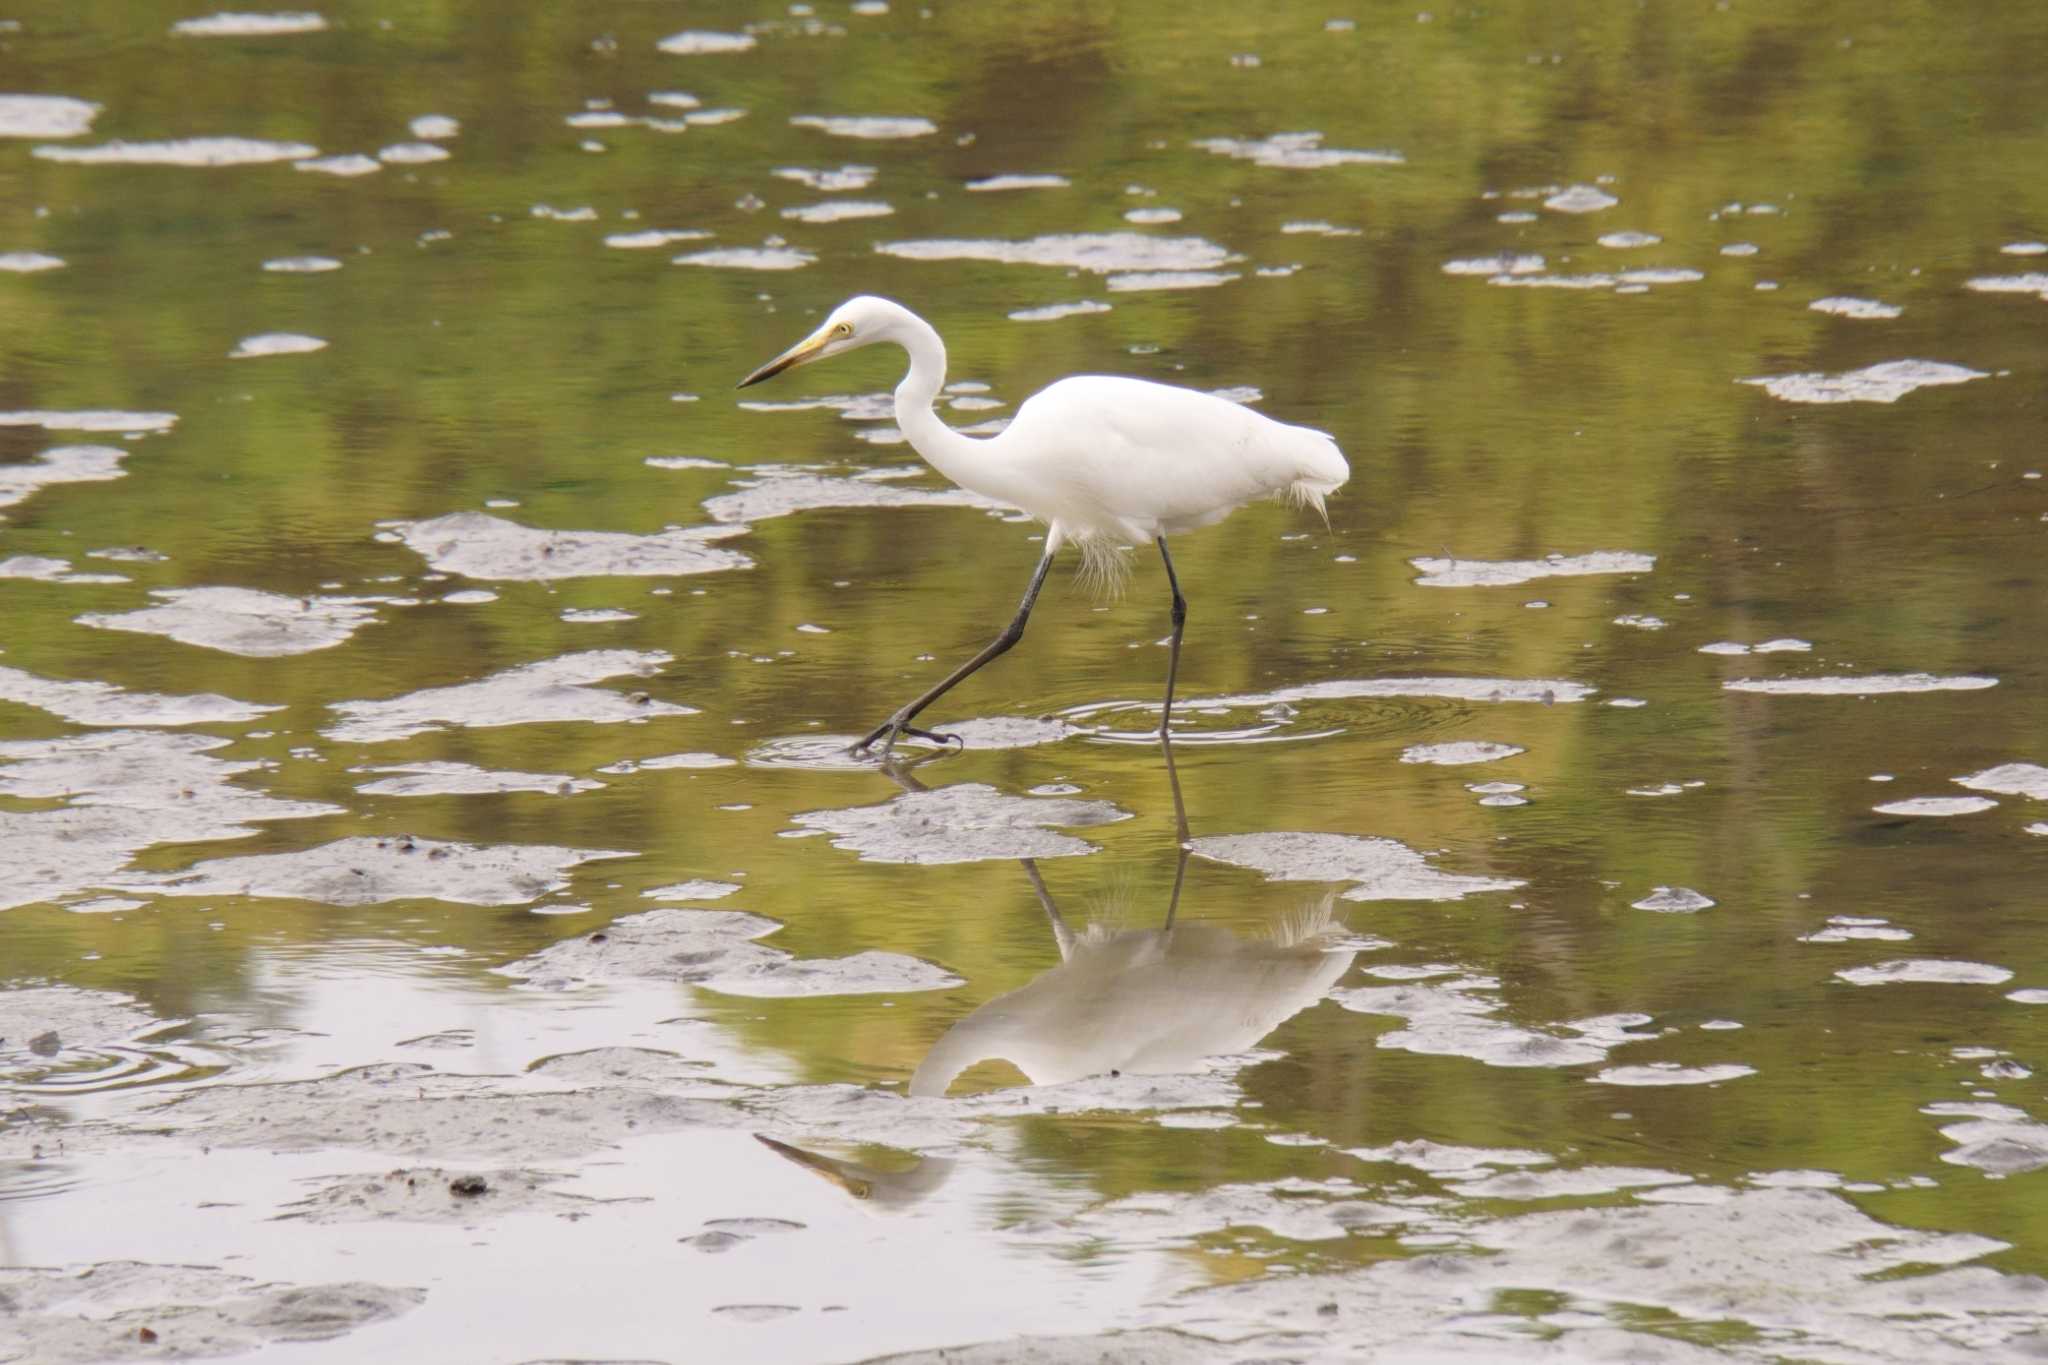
(899, 724)
(1180, 620)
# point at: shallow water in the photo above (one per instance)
(1610, 920)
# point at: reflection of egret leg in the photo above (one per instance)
(1061, 934)
(1180, 618)
(1180, 810)
(899, 724)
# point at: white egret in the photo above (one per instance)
(1102, 461)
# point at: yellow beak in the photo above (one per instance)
(803, 351)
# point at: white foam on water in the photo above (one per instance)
(1051, 311)
(1673, 900)
(1455, 1019)
(1863, 309)
(1937, 806)
(965, 822)
(1140, 280)
(349, 164)
(1480, 573)
(683, 462)
(1312, 228)
(469, 597)
(62, 464)
(46, 116)
(596, 616)
(872, 127)
(1868, 685)
(1628, 241)
(1296, 151)
(413, 153)
(1379, 869)
(190, 151)
(29, 262)
(1101, 253)
(696, 43)
(243, 621)
(1503, 264)
(434, 127)
(2010, 779)
(1885, 383)
(1930, 970)
(839, 210)
(583, 214)
(478, 545)
(249, 25)
(1460, 751)
(1152, 217)
(1660, 275)
(2031, 995)
(436, 778)
(301, 265)
(547, 691)
(2024, 249)
(1580, 199)
(275, 343)
(749, 258)
(998, 183)
(1740, 249)
(830, 181)
(1671, 1073)
(1641, 622)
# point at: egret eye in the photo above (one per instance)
(844, 329)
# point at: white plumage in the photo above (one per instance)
(1103, 461)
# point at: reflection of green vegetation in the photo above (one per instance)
(521, 359)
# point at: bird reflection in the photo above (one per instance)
(889, 1190)
(1144, 1000)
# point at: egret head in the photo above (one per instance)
(860, 321)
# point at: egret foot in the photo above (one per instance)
(895, 728)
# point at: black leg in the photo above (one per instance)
(899, 724)
(1180, 619)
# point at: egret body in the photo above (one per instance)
(1102, 461)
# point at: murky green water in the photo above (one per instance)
(492, 502)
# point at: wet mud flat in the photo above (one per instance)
(1601, 916)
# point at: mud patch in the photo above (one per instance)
(102, 703)
(550, 690)
(762, 499)
(466, 779)
(126, 790)
(1381, 869)
(1479, 573)
(255, 625)
(966, 822)
(716, 949)
(432, 1194)
(369, 871)
(1455, 1019)
(478, 545)
(58, 1317)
